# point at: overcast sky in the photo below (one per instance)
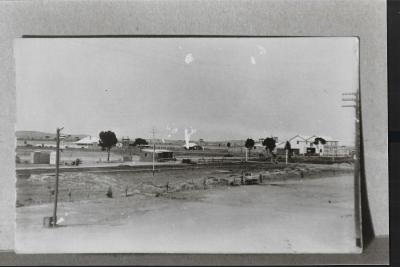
(225, 88)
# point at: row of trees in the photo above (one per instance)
(268, 142)
(108, 139)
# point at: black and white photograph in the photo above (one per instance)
(187, 145)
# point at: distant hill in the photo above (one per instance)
(35, 135)
(43, 136)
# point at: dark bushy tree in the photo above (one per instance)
(109, 192)
(228, 144)
(269, 144)
(319, 140)
(288, 148)
(139, 141)
(108, 139)
(249, 144)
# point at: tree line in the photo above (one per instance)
(108, 139)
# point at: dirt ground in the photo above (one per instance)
(279, 216)
(38, 188)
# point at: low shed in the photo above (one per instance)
(40, 157)
(160, 155)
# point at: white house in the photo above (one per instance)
(330, 148)
(302, 145)
(298, 144)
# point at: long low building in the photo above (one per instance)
(146, 154)
(87, 141)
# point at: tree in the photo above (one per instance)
(228, 144)
(319, 141)
(139, 141)
(107, 141)
(269, 144)
(288, 147)
(109, 192)
(249, 144)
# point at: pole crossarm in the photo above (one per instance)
(355, 94)
(349, 106)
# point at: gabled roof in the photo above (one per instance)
(88, 140)
(290, 139)
(281, 144)
(310, 138)
(326, 138)
(148, 150)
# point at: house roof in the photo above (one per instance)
(309, 138)
(148, 150)
(281, 144)
(326, 138)
(88, 140)
(290, 139)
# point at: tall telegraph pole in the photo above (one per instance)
(354, 102)
(57, 174)
(154, 147)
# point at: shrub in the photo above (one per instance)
(188, 161)
(109, 192)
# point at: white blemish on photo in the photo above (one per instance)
(261, 50)
(189, 58)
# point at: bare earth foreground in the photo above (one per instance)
(292, 216)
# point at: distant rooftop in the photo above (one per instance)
(88, 140)
(148, 150)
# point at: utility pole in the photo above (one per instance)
(286, 152)
(355, 103)
(57, 174)
(154, 147)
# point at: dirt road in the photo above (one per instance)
(302, 216)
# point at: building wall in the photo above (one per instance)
(146, 156)
(300, 144)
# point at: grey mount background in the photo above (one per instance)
(365, 19)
